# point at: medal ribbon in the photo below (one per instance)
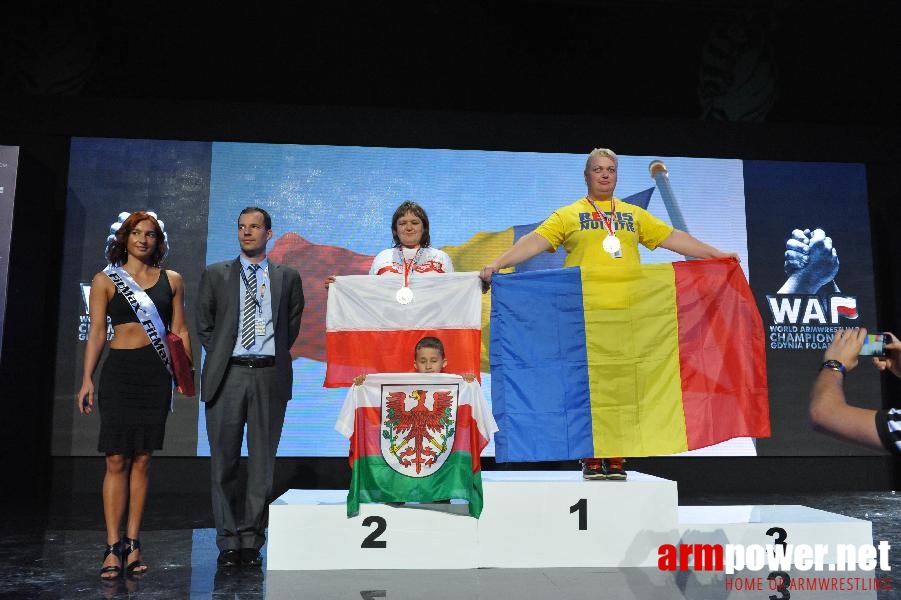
(608, 225)
(408, 265)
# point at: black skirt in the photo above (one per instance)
(134, 399)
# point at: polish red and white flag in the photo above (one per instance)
(369, 331)
(845, 306)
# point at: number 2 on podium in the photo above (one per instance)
(372, 540)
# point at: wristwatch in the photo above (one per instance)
(834, 365)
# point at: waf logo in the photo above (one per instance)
(417, 428)
(807, 310)
(810, 294)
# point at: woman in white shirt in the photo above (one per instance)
(412, 252)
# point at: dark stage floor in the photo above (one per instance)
(53, 550)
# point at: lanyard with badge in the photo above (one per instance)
(611, 243)
(260, 324)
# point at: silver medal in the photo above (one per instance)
(404, 295)
(611, 244)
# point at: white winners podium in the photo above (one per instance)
(533, 519)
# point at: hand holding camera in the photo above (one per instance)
(849, 344)
(890, 358)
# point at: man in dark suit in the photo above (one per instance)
(248, 316)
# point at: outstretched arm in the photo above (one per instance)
(829, 411)
(686, 244)
(528, 246)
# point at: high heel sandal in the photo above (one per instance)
(116, 570)
(135, 567)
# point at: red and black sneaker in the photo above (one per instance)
(614, 470)
(593, 469)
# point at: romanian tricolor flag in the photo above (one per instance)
(626, 361)
(369, 331)
(474, 253)
(415, 437)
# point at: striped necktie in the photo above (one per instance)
(250, 305)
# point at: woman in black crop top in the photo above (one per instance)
(135, 387)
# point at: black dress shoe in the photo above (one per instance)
(251, 557)
(228, 558)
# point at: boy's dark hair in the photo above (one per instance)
(429, 342)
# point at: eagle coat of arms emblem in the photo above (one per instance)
(418, 423)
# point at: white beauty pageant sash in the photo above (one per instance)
(145, 310)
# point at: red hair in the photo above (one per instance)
(117, 248)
